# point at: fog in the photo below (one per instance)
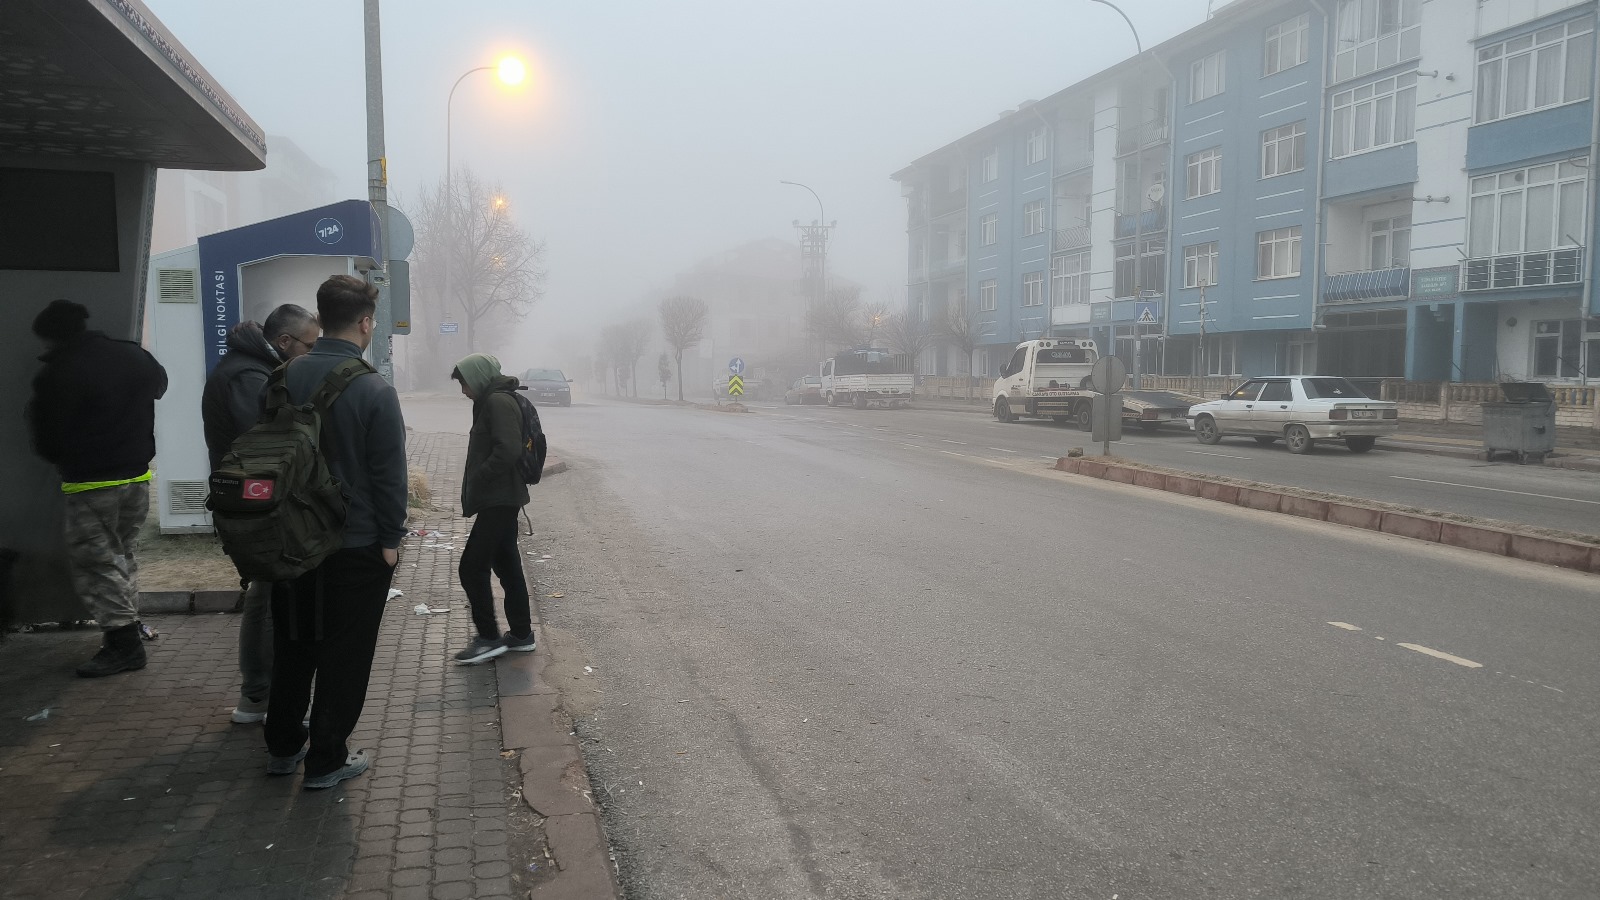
(650, 135)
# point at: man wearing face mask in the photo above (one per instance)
(230, 405)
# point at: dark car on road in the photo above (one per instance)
(548, 386)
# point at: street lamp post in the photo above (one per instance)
(511, 71)
(815, 237)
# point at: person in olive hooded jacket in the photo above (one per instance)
(492, 489)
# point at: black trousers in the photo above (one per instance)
(492, 545)
(325, 630)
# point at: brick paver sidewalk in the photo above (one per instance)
(137, 785)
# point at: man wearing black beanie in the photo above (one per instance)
(93, 417)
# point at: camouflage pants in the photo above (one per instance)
(102, 526)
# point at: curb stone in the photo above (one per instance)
(1355, 513)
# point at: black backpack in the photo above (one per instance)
(275, 503)
(534, 446)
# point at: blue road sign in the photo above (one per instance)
(736, 365)
(1148, 312)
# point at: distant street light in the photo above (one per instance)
(1136, 42)
(816, 238)
(512, 72)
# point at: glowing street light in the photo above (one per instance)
(512, 71)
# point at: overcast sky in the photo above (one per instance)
(652, 134)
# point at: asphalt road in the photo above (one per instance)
(1531, 495)
(830, 662)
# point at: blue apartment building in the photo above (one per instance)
(1371, 188)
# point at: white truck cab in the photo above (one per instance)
(1049, 378)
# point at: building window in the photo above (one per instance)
(1207, 77)
(1152, 268)
(1557, 347)
(1547, 68)
(986, 295)
(1037, 144)
(1278, 253)
(1221, 354)
(1375, 34)
(1283, 150)
(988, 229)
(1375, 115)
(1527, 210)
(1033, 289)
(1205, 172)
(1069, 279)
(1200, 265)
(991, 166)
(1288, 44)
(1389, 243)
(1033, 217)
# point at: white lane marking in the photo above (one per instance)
(1440, 654)
(1051, 458)
(948, 441)
(1223, 455)
(1497, 490)
(952, 453)
(1345, 625)
(1001, 450)
(912, 446)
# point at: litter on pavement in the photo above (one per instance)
(396, 592)
(39, 716)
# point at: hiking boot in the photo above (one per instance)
(354, 765)
(522, 644)
(120, 651)
(479, 650)
(285, 765)
(249, 712)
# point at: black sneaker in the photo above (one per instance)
(285, 765)
(120, 651)
(354, 765)
(480, 650)
(522, 644)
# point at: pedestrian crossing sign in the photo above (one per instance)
(1146, 314)
(735, 386)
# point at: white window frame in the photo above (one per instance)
(990, 166)
(1293, 36)
(1069, 279)
(1221, 354)
(1033, 288)
(1208, 76)
(989, 229)
(1282, 246)
(1037, 146)
(1550, 74)
(1494, 199)
(1200, 265)
(1204, 170)
(1375, 34)
(1033, 218)
(1556, 331)
(1273, 150)
(1371, 116)
(988, 295)
(1389, 230)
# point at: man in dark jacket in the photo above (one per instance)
(493, 490)
(325, 623)
(93, 416)
(229, 406)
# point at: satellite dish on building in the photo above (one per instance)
(1156, 192)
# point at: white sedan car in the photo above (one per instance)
(1299, 410)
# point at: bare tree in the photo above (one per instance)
(475, 256)
(635, 335)
(664, 372)
(683, 322)
(961, 332)
(839, 320)
(909, 334)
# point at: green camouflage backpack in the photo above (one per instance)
(274, 502)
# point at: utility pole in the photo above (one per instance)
(814, 261)
(378, 192)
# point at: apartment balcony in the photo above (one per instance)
(1074, 238)
(1354, 287)
(945, 268)
(1144, 134)
(1151, 221)
(944, 204)
(1541, 268)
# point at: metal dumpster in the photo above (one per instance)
(1523, 424)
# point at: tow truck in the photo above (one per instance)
(1049, 379)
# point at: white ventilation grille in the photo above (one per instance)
(187, 498)
(178, 285)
